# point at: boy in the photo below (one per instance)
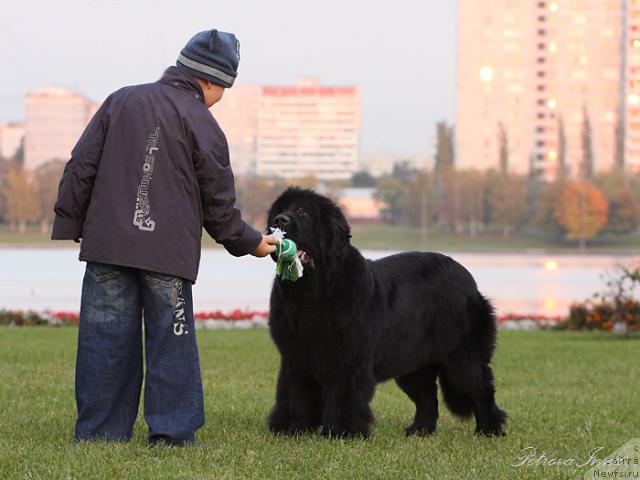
(150, 170)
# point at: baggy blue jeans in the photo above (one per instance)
(109, 366)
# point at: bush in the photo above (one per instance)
(614, 309)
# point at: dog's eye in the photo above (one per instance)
(300, 211)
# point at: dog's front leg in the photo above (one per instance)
(346, 405)
(298, 407)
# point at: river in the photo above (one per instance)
(50, 278)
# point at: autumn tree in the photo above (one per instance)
(582, 211)
(46, 179)
(19, 194)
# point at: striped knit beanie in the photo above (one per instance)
(212, 55)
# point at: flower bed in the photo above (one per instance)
(598, 317)
(604, 315)
(513, 321)
(213, 319)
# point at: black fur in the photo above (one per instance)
(350, 323)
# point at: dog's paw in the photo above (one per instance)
(491, 432)
(420, 431)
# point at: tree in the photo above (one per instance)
(4, 165)
(582, 211)
(586, 167)
(420, 197)
(624, 211)
(444, 159)
(619, 159)
(545, 214)
(19, 194)
(506, 196)
(308, 181)
(394, 193)
(624, 206)
(471, 200)
(445, 179)
(403, 171)
(503, 142)
(19, 155)
(255, 195)
(563, 170)
(363, 179)
(45, 184)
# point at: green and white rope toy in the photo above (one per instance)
(289, 266)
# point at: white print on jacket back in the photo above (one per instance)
(141, 216)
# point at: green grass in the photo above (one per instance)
(399, 237)
(566, 393)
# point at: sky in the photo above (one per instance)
(401, 53)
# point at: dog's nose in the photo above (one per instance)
(281, 221)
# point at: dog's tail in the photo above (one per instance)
(460, 404)
(483, 331)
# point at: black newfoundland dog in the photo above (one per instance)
(350, 323)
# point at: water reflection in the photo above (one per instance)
(524, 283)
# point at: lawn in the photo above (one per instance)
(400, 237)
(566, 393)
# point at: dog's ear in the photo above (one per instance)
(339, 228)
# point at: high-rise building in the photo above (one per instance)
(531, 75)
(11, 138)
(631, 86)
(237, 114)
(55, 119)
(292, 131)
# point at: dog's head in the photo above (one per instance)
(314, 222)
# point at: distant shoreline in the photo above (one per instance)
(498, 250)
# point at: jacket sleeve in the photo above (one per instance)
(222, 219)
(76, 185)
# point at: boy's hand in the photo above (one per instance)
(267, 246)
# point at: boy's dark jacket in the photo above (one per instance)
(150, 170)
